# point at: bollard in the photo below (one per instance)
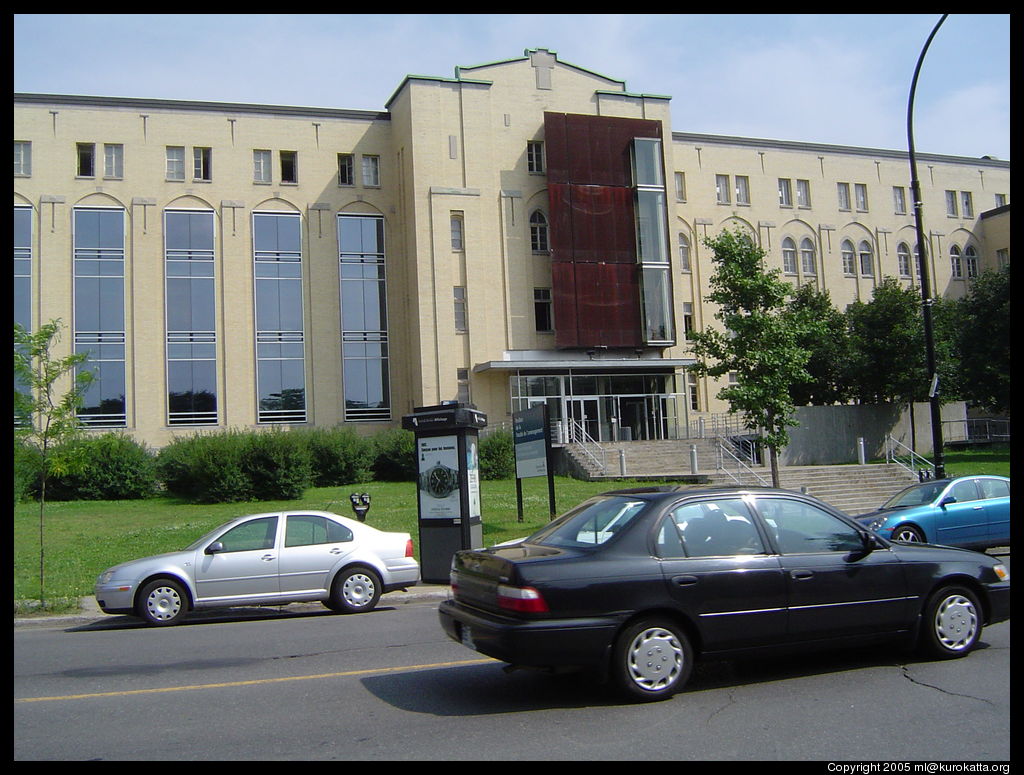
(622, 462)
(861, 456)
(693, 458)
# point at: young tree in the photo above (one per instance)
(46, 419)
(759, 344)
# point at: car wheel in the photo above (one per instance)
(653, 660)
(952, 623)
(163, 602)
(355, 590)
(908, 534)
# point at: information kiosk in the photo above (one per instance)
(448, 485)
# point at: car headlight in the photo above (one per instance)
(1001, 572)
(106, 576)
(875, 524)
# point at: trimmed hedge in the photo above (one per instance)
(498, 456)
(116, 467)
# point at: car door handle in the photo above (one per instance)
(335, 550)
(684, 581)
(801, 575)
(267, 557)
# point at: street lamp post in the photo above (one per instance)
(926, 299)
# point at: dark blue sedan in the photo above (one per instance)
(968, 511)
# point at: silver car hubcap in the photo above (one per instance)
(163, 603)
(908, 536)
(358, 590)
(956, 622)
(655, 659)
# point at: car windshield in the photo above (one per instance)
(917, 495)
(591, 523)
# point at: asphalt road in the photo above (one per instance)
(306, 684)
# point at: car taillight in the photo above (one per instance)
(408, 548)
(524, 600)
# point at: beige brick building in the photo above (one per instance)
(525, 231)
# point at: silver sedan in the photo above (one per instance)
(265, 559)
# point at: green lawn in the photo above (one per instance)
(83, 538)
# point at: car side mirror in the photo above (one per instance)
(947, 500)
(867, 545)
(215, 547)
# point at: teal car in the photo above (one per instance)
(969, 511)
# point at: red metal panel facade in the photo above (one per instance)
(595, 274)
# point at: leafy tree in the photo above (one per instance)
(822, 331)
(887, 362)
(981, 344)
(759, 344)
(46, 419)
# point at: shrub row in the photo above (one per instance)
(241, 466)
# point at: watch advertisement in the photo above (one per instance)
(438, 458)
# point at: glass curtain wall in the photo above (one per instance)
(191, 317)
(364, 322)
(99, 317)
(280, 329)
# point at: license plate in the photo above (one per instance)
(467, 637)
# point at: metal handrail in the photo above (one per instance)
(899, 453)
(723, 452)
(578, 435)
(976, 429)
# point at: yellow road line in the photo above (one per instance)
(255, 682)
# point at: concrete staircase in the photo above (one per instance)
(853, 489)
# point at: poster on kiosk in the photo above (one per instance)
(447, 483)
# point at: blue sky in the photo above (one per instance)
(839, 79)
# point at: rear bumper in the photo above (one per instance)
(584, 642)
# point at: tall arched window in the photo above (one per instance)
(538, 232)
(788, 256)
(807, 262)
(903, 259)
(956, 268)
(684, 253)
(971, 261)
(867, 264)
(849, 258)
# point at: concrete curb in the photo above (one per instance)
(89, 611)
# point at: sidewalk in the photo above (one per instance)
(89, 611)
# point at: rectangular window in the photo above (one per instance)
(951, 204)
(843, 195)
(861, 192)
(966, 204)
(461, 323)
(99, 312)
(113, 160)
(261, 170)
(742, 190)
(364, 320)
(535, 156)
(722, 194)
(22, 158)
(86, 160)
(202, 160)
(542, 310)
(280, 327)
(1000, 200)
(346, 169)
(23, 267)
(680, 186)
(899, 200)
(785, 192)
(371, 171)
(1003, 257)
(687, 318)
(289, 167)
(175, 162)
(191, 338)
(803, 193)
